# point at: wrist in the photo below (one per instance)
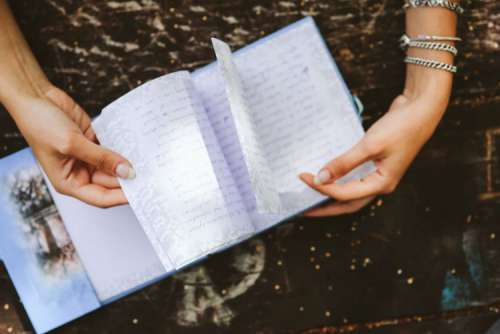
(429, 83)
(21, 79)
(422, 82)
(21, 73)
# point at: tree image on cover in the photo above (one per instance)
(41, 223)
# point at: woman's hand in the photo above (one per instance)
(62, 139)
(57, 129)
(394, 140)
(391, 143)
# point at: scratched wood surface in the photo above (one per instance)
(431, 247)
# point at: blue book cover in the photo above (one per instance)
(36, 249)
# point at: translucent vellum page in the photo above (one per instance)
(210, 88)
(261, 178)
(232, 197)
(176, 195)
(302, 112)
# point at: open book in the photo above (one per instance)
(216, 152)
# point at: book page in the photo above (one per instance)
(234, 203)
(302, 112)
(210, 87)
(259, 172)
(112, 245)
(176, 195)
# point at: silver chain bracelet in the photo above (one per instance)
(435, 46)
(407, 42)
(453, 6)
(431, 64)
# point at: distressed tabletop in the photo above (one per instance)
(423, 259)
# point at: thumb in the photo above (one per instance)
(101, 158)
(343, 164)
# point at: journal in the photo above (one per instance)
(217, 153)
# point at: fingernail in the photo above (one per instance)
(125, 172)
(322, 177)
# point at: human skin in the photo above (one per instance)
(58, 130)
(395, 139)
(60, 133)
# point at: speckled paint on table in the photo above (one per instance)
(431, 247)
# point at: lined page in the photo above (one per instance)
(256, 164)
(176, 195)
(302, 111)
(233, 201)
(210, 88)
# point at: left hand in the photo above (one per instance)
(391, 143)
(60, 134)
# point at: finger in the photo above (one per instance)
(90, 134)
(100, 196)
(339, 208)
(343, 164)
(99, 157)
(373, 184)
(105, 180)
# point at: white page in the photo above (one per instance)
(112, 246)
(210, 87)
(233, 201)
(176, 195)
(302, 111)
(260, 175)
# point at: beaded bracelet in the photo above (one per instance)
(453, 6)
(431, 64)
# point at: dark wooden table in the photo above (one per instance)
(425, 259)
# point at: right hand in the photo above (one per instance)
(60, 134)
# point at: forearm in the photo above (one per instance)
(422, 81)
(21, 74)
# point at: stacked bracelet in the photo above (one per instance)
(453, 6)
(437, 43)
(431, 44)
(435, 46)
(431, 64)
(434, 38)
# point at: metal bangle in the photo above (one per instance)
(430, 63)
(405, 40)
(437, 38)
(453, 6)
(431, 38)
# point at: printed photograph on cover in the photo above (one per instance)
(36, 248)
